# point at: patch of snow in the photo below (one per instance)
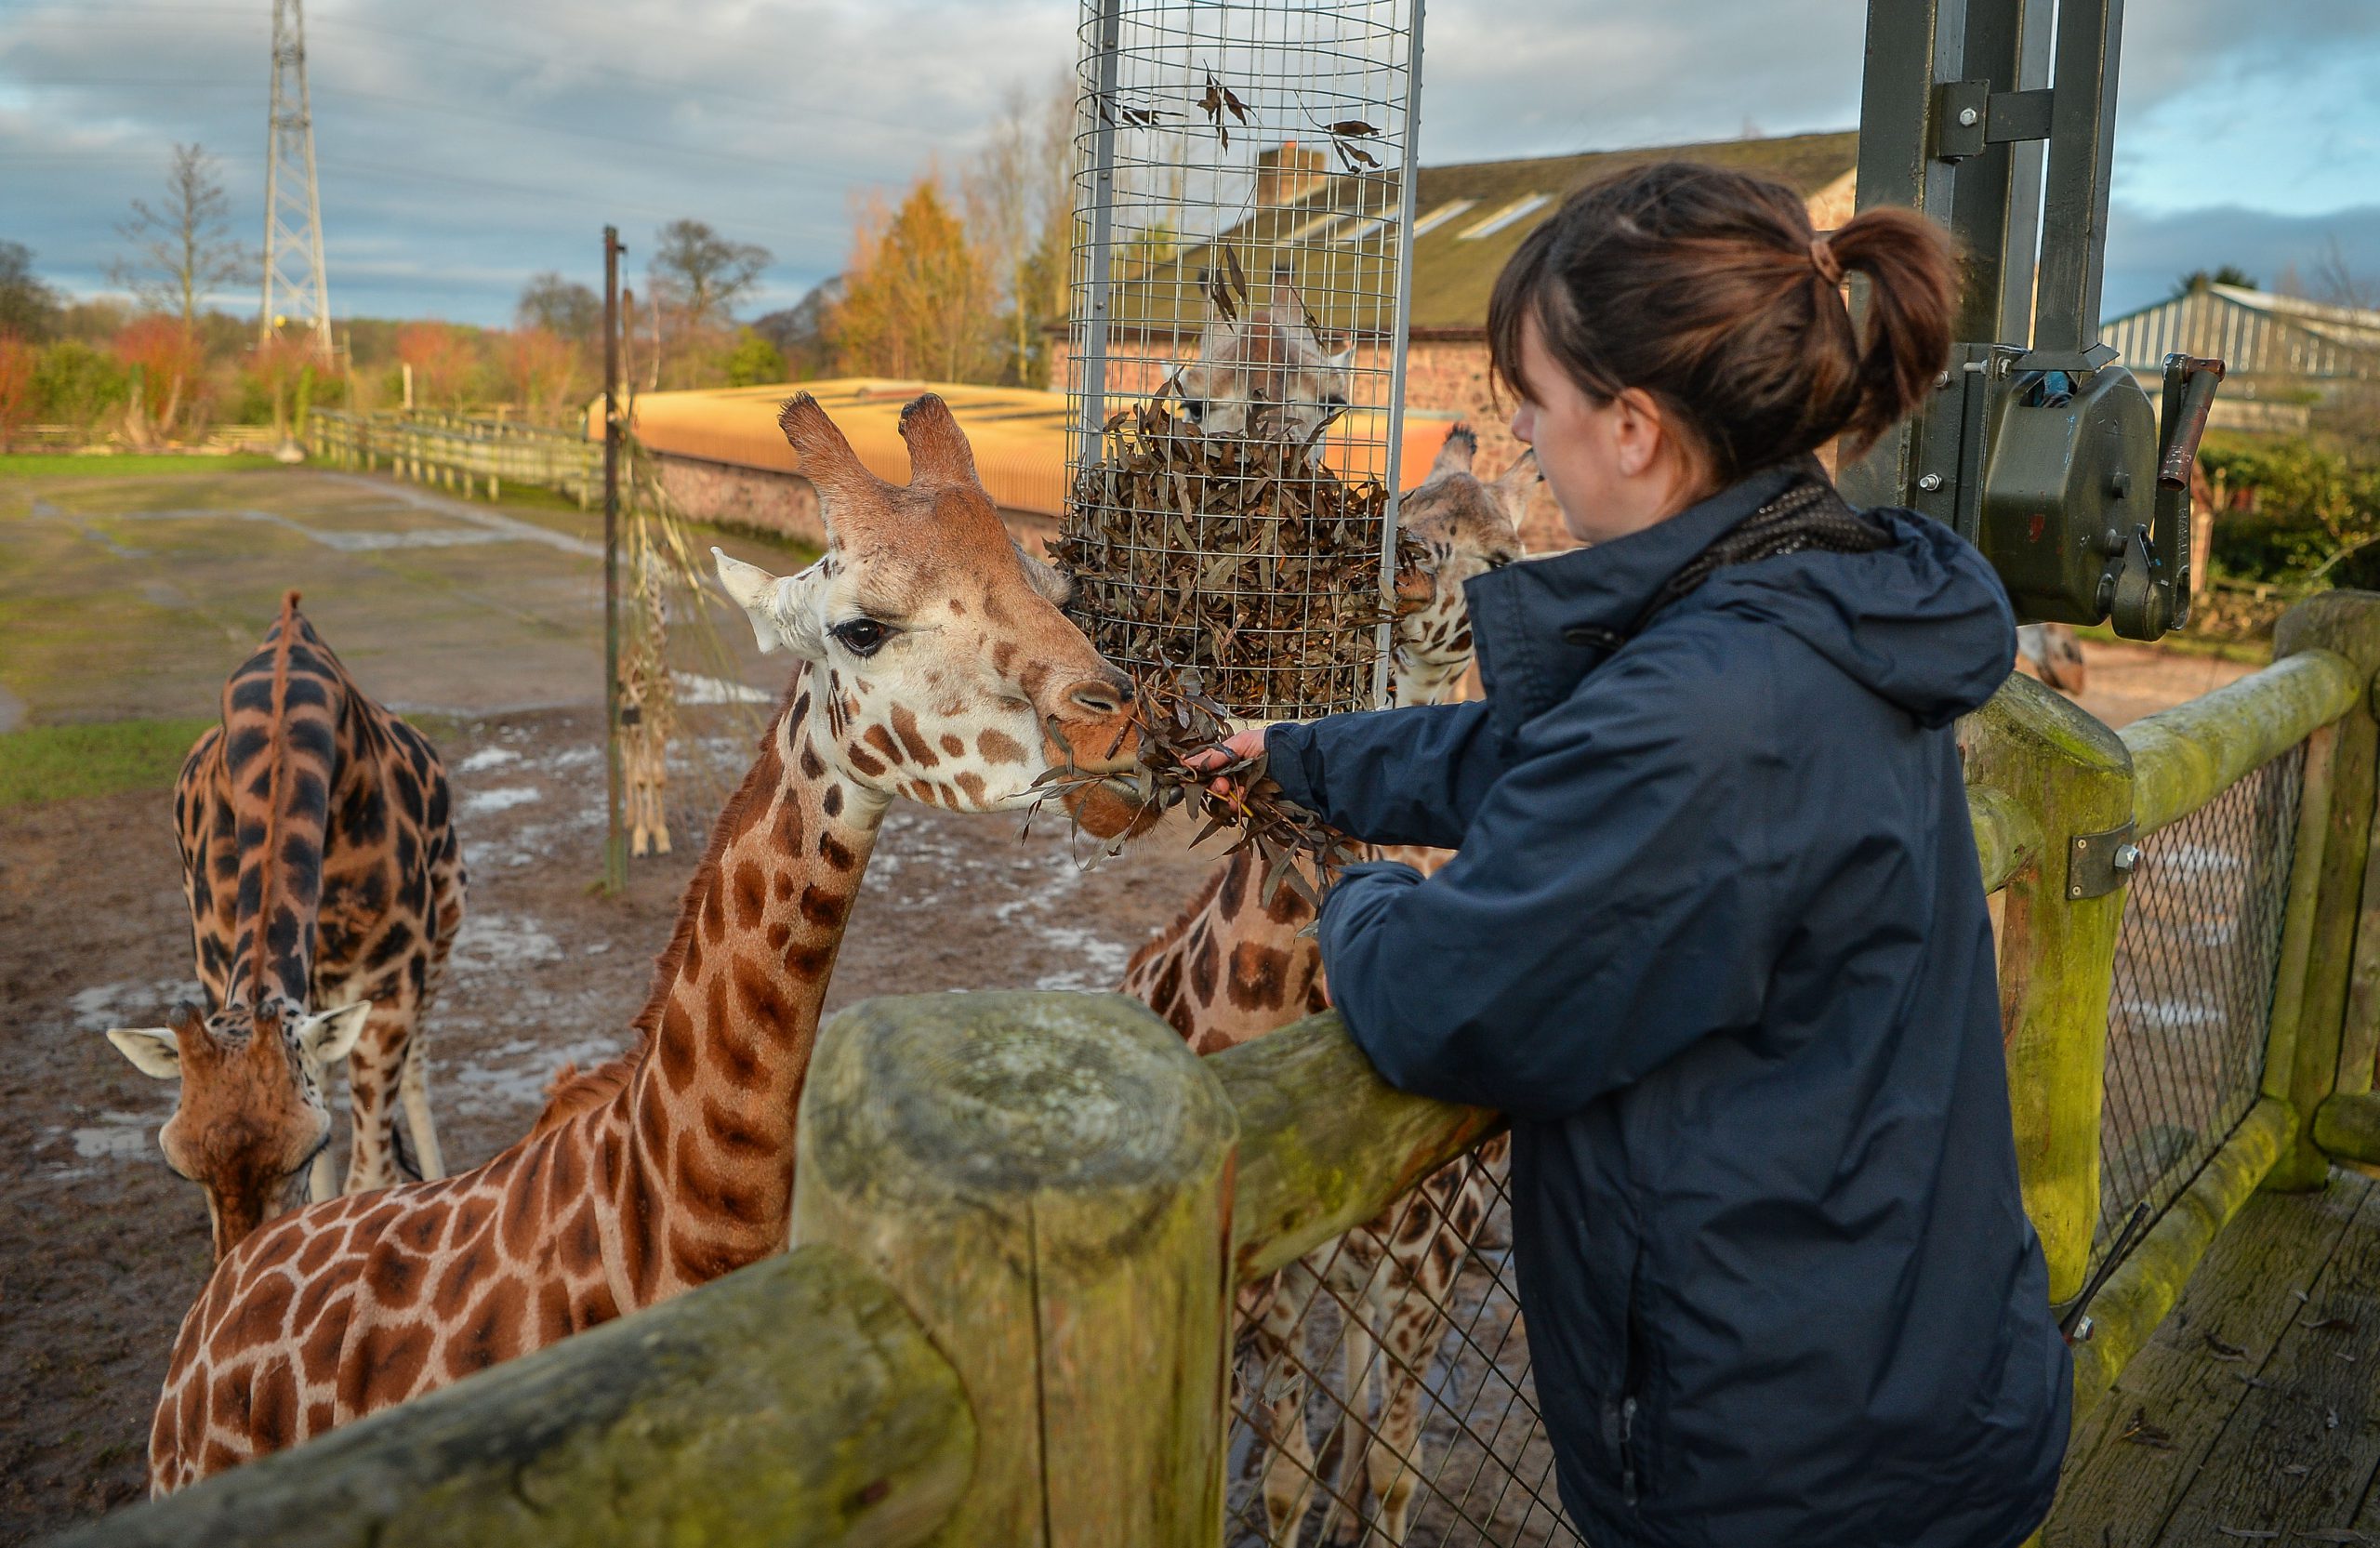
(478, 803)
(492, 941)
(110, 1005)
(486, 758)
(694, 688)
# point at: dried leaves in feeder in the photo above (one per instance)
(1243, 557)
(1177, 720)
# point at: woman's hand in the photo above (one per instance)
(1233, 752)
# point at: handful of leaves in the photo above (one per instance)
(1176, 719)
(1240, 557)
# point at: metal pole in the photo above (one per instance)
(1398, 343)
(616, 844)
(1102, 219)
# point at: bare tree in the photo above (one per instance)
(1019, 198)
(182, 251)
(562, 306)
(2334, 284)
(28, 308)
(696, 277)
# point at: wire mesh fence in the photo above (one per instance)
(1381, 1390)
(1235, 373)
(2194, 973)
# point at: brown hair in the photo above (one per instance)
(1708, 290)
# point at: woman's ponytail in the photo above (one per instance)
(1708, 290)
(1912, 285)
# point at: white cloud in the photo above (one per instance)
(466, 146)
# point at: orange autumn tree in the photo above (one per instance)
(918, 301)
(539, 365)
(16, 362)
(166, 360)
(442, 361)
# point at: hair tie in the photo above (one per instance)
(1822, 259)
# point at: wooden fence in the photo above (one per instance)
(470, 456)
(1021, 1218)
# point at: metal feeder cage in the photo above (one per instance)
(1240, 293)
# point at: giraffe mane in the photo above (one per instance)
(284, 633)
(573, 1090)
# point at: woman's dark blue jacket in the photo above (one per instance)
(1716, 942)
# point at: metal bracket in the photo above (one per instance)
(1969, 115)
(1960, 110)
(2097, 863)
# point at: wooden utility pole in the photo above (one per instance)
(615, 843)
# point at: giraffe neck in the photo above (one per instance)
(706, 1119)
(1427, 682)
(284, 714)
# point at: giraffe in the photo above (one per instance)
(321, 868)
(1237, 965)
(1263, 373)
(932, 662)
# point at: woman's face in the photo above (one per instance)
(1613, 467)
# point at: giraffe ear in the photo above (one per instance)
(154, 1050)
(327, 1037)
(1456, 454)
(1511, 486)
(1054, 584)
(777, 605)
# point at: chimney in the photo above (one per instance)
(1287, 173)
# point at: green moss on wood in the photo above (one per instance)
(2139, 1294)
(2347, 1125)
(2184, 757)
(1324, 1142)
(2006, 838)
(792, 1403)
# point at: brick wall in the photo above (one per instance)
(1449, 375)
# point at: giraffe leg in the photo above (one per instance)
(1342, 1518)
(322, 1177)
(1289, 1476)
(373, 1071)
(1393, 1459)
(415, 1087)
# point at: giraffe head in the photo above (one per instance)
(1265, 374)
(1468, 525)
(251, 1115)
(942, 668)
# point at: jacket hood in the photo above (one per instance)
(1923, 624)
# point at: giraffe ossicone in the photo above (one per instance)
(929, 662)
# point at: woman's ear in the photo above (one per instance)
(1640, 434)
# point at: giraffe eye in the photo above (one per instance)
(860, 636)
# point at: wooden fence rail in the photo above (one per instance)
(468, 455)
(1020, 1219)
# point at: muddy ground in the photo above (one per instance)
(101, 1249)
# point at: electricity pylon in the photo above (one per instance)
(294, 289)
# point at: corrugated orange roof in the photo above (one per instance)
(1019, 435)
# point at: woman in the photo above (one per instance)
(1716, 939)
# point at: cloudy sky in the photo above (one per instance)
(465, 144)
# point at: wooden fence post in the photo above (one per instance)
(2329, 1050)
(1046, 1181)
(2056, 953)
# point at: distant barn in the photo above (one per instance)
(2284, 354)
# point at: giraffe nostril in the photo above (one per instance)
(1098, 699)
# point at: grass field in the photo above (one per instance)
(48, 465)
(57, 762)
